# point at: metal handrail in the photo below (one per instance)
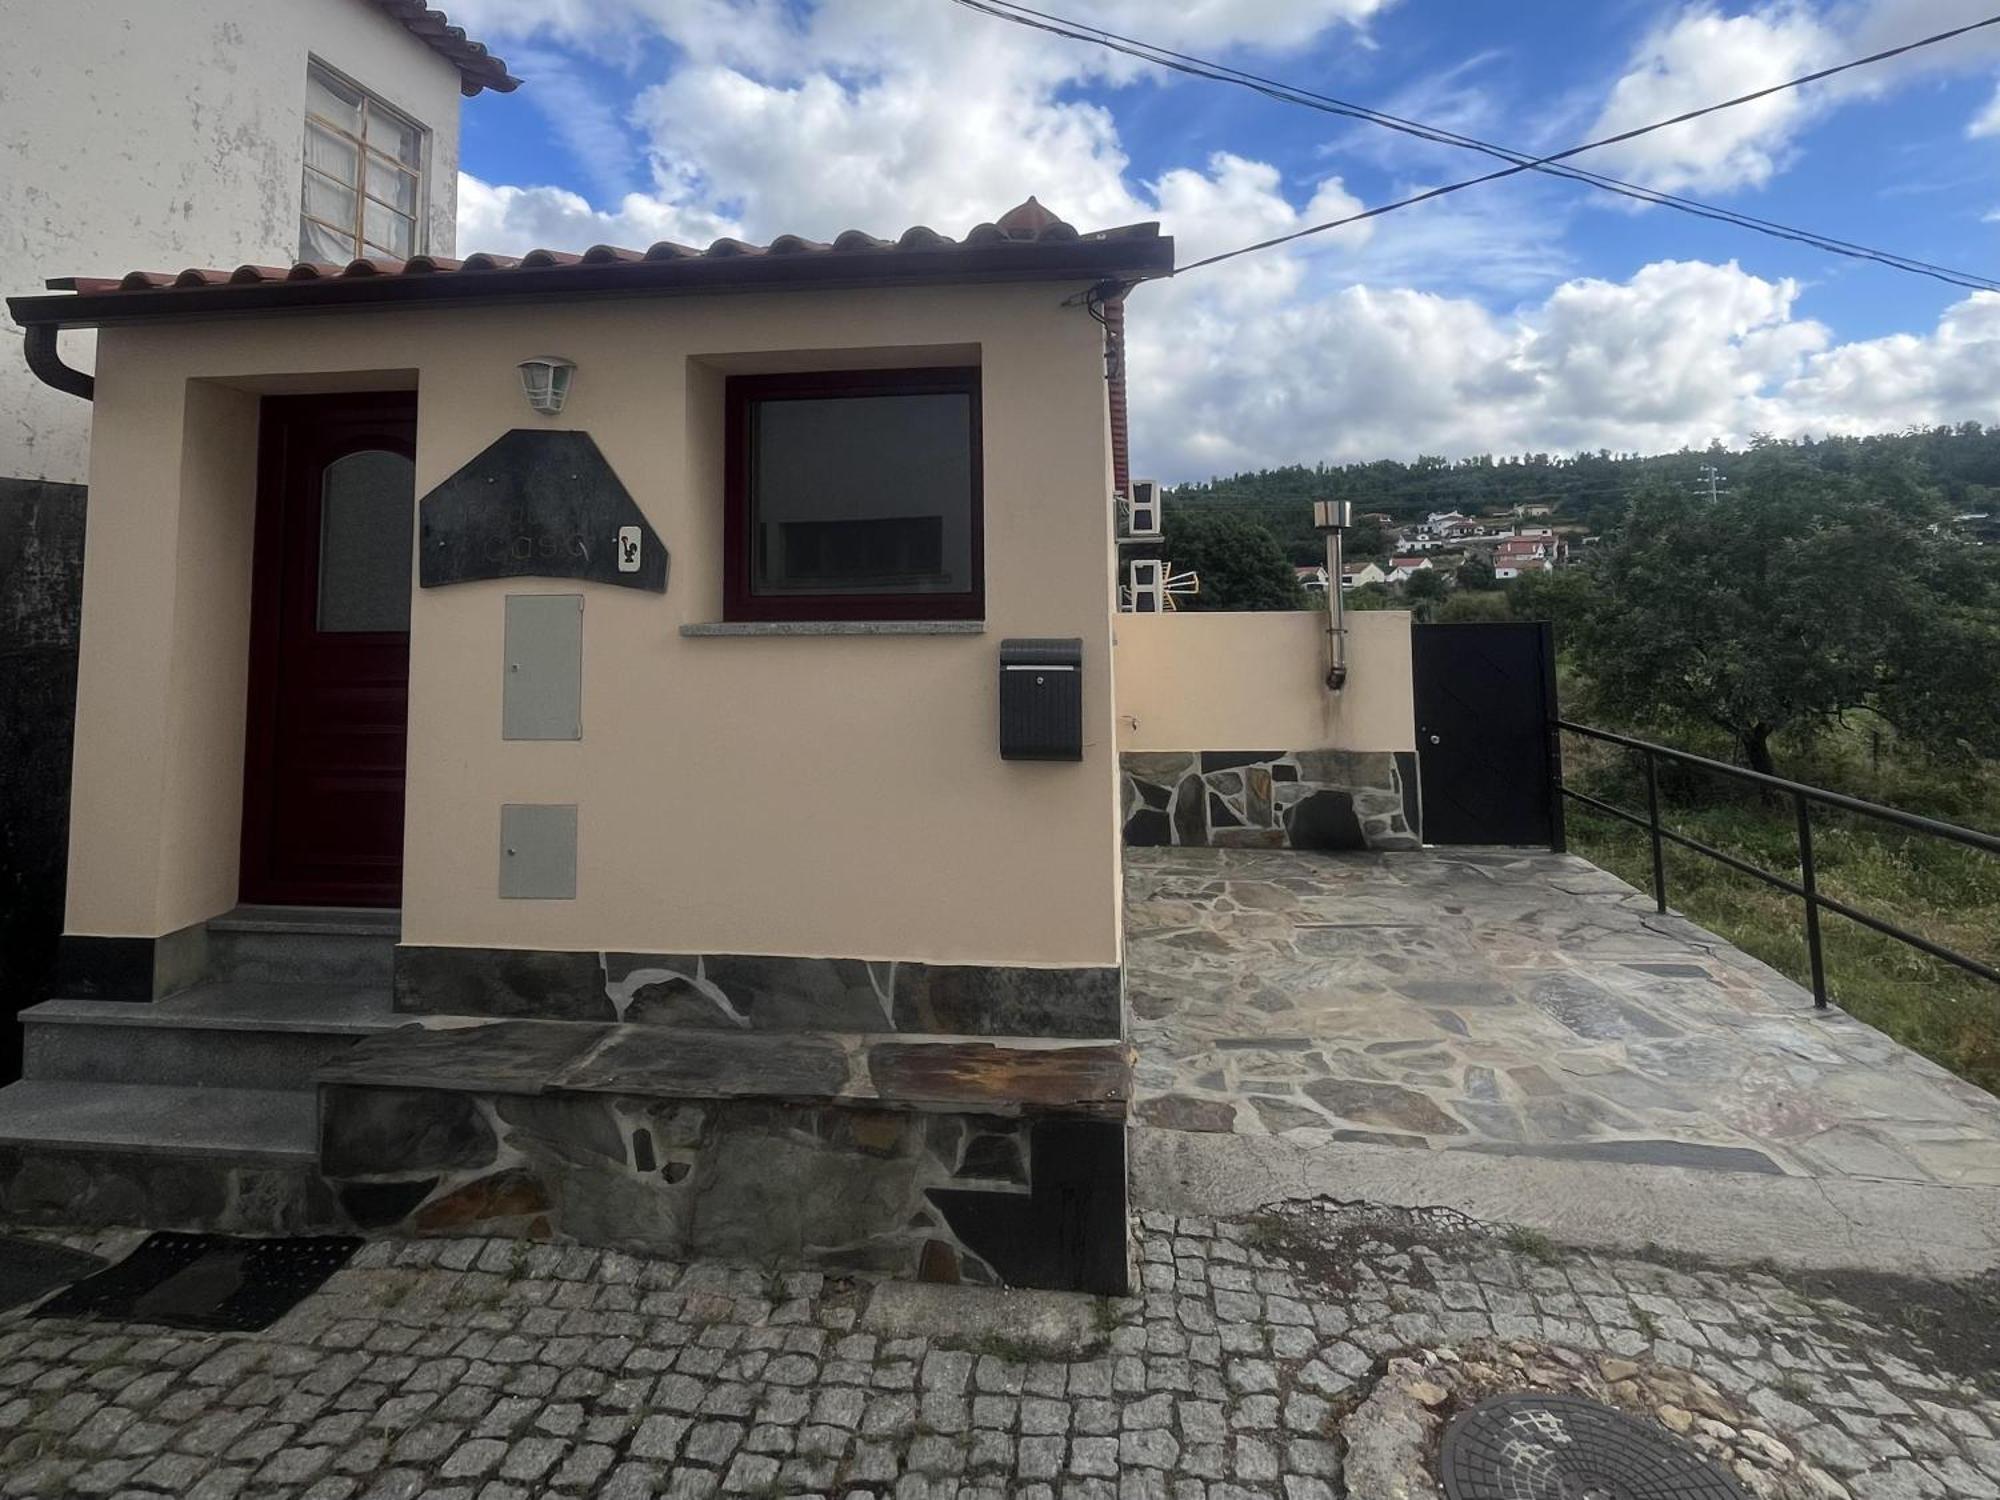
(1806, 887)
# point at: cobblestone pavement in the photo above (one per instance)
(489, 1370)
(1521, 1004)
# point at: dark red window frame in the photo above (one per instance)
(741, 393)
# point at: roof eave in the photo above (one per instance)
(1127, 260)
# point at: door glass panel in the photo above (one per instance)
(367, 503)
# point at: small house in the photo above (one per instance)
(1353, 575)
(615, 746)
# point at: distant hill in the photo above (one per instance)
(1586, 490)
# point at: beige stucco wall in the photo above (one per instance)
(160, 134)
(1257, 681)
(822, 796)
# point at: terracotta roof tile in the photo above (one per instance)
(477, 68)
(1026, 242)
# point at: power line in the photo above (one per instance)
(1010, 10)
(1289, 93)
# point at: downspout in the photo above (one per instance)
(1113, 307)
(45, 359)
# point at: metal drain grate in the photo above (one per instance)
(1533, 1447)
(214, 1281)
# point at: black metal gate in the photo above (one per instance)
(1486, 710)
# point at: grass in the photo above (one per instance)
(1945, 892)
(1532, 1243)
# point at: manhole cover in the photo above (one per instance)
(1565, 1448)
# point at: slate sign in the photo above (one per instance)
(538, 504)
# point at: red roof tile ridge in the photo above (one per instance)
(1017, 231)
(477, 67)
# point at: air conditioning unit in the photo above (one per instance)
(1140, 515)
(1146, 585)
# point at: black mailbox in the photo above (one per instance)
(1041, 699)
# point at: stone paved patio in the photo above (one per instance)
(1520, 1004)
(492, 1370)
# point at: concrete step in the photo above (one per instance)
(232, 1035)
(271, 1126)
(303, 945)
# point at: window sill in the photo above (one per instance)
(834, 627)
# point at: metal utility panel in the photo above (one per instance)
(542, 697)
(538, 851)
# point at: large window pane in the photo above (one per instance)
(862, 494)
(328, 246)
(399, 138)
(329, 201)
(392, 185)
(333, 101)
(367, 501)
(328, 153)
(356, 145)
(391, 230)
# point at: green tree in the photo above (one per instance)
(1424, 592)
(1564, 598)
(1802, 596)
(1476, 604)
(1365, 539)
(1370, 596)
(1240, 566)
(1476, 572)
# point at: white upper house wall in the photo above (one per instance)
(160, 134)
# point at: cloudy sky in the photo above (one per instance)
(1530, 314)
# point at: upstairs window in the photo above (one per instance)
(854, 495)
(364, 179)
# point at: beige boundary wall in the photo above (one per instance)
(821, 796)
(1196, 681)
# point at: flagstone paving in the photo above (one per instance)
(1525, 1004)
(496, 1370)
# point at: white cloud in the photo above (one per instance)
(1699, 58)
(510, 220)
(1987, 121)
(1678, 354)
(1365, 342)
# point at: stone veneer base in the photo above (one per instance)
(751, 993)
(1272, 799)
(91, 1188)
(948, 1197)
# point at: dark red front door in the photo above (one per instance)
(330, 651)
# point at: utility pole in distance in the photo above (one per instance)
(1712, 480)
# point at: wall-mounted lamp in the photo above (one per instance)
(545, 380)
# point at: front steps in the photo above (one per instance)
(229, 1035)
(304, 945)
(198, 1110)
(284, 1093)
